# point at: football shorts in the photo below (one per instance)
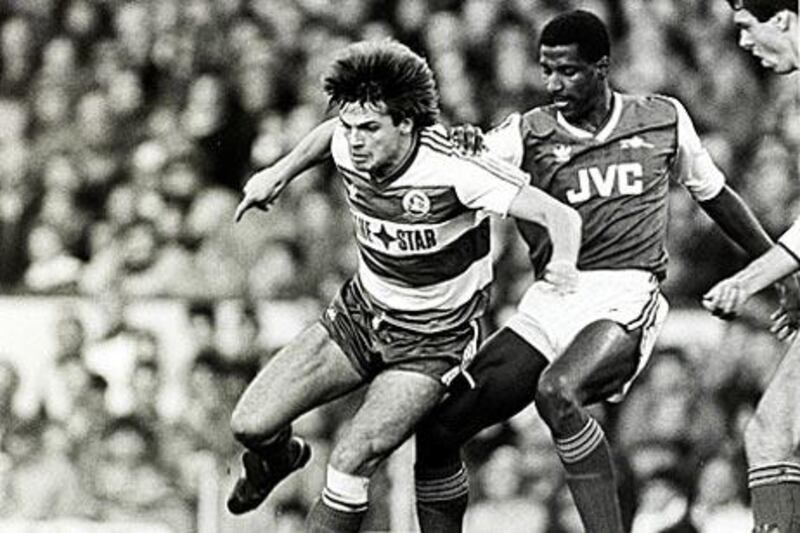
(549, 321)
(373, 344)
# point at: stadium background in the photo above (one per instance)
(133, 311)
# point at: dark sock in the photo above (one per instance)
(324, 518)
(442, 496)
(590, 475)
(775, 492)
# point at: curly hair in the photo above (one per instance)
(384, 72)
(578, 27)
(763, 10)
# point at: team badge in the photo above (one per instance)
(632, 143)
(416, 203)
(562, 152)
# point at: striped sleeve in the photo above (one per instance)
(486, 182)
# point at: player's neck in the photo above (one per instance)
(405, 153)
(598, 113)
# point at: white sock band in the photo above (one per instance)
(345, 492)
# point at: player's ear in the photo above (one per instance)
(406, 125)
(602, 65)
(782, 20)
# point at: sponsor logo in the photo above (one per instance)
(404, 240)
(624, 179)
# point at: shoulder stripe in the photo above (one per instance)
(504, 172)
(438, 135)
(437, 147)
(436, 140)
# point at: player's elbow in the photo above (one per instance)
(564, 218)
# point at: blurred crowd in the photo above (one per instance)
(130, 126)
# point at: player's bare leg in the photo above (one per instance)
(395, 402)
(601, 358)
(771, 440)
(308, 372)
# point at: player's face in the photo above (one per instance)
(766, 41)
(574, 85)
(376, 143)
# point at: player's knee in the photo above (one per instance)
(435, 445)
(555, 397)
(359, 453)
(356, 458)
(248, 427)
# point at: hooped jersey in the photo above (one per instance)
(617, 178)
(423, 233)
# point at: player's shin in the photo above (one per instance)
(442, 494)
(586, 457)
(342, 506)
(775, 491)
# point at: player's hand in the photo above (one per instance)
(562, 275)
(786, 319)
(468, 139)
(726, 299)
(260, 191)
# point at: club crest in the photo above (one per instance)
(416, 203)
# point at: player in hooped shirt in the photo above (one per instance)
(406, 323)
(769, 29)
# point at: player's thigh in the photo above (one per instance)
(773, 434)
(395, 402)
(598, 361)
(307, 372)
(505, 374)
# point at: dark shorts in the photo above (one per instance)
(373, 343)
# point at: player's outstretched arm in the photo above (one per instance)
(563, 223)
(264, 187)
(740, 224)
(728, 296)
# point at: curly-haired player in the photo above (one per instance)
(405, 323)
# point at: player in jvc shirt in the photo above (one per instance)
(612, 157)
(769, 30)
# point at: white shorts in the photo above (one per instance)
(632, 298)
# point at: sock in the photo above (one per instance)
(442, 496)
(590, 476)
(775, 492)
(342, 506)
